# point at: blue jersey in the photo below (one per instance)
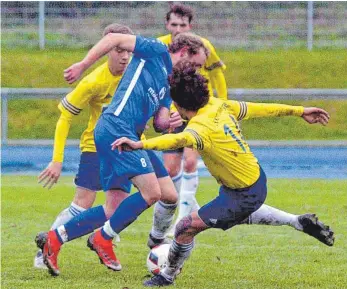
(144, 87)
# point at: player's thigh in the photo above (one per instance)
(173, 161)
(168, 191)
(190, 158)
(232, 206)
(117, 169)
(167, 188)
(158, 164)
(148, 186)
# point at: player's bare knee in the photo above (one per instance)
(152, 197)
(84, 198)
(170, 197)
(172, 163)
(190, 165)
(173, 170)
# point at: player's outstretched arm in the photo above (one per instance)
(160, 143)
(315, 114)
(105, 45)
(245, 110)
(52, 173)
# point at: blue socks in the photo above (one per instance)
(85, 223)
(127, 212)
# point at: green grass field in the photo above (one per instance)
(245, 257)
(245, 69)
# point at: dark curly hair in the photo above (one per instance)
(187, 87)
(180, 10)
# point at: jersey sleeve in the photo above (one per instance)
(215, 69)
(77, 99)
(60, 136)
(213, 61)
(246, 110)
(148, 47)
(169, 141)
(218, 83)
(197, 132)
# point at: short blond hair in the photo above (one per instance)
(117, 28)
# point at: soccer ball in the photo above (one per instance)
(157, 258)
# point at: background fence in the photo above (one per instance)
(238, 25)
(238, 94)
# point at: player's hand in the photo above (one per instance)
(175, 121)
(74, 72)
(126, 144)
(51, 174)
(315, 114)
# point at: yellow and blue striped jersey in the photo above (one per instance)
(215, 132)
(212, 63)
(95, 90)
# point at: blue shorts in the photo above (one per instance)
(158, 164)
(232, 206)
(88, 175)
(117, 169)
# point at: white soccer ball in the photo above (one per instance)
(157, 258)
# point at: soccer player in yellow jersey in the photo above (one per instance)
(214, 131)
(185, 177)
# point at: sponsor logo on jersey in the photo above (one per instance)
(153, 97)
(162, 93)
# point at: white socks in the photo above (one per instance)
(267, 215)
(162, 219)
(178, 254)
(177, 180)
(187, 194)
(66, 215)
(108, 230)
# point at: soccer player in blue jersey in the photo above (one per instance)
(95, 91)
(143, 92)
(214, 131)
